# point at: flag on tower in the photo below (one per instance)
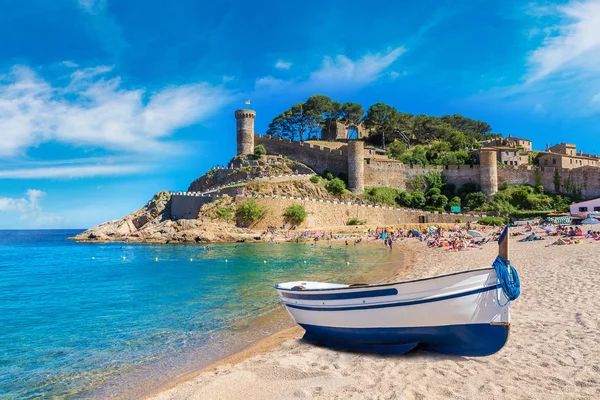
(247, 101)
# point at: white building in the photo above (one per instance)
(586, 207)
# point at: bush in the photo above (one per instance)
(356, 221)
(315, 179)
(250, 212)
(260, 150)
(474, 201)
(433, 192)
(225, 213)
(404, 199)
(336, 186)
(494, 221)
(383, 195)
(455, 202)
(295, 213)
(418, 200)
(328, 175)
(435, 179)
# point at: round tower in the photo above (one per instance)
(245, 131)
(356, 168)
(488, 172)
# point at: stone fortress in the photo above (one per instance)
(504, 161)
(501, 161)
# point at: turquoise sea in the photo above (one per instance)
(117, 320)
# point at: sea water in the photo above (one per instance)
(101, 320)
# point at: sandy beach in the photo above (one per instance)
(553, 351)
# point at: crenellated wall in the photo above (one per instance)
(324, 213)
(317, 157)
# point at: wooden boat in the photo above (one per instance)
(464, 313)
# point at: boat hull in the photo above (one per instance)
(459, 314)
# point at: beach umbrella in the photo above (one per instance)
(590, 221)
(475, 233)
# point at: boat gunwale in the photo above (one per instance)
(276, 286)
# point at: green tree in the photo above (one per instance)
(295, 123)
(416, 155)
(455, 202)
(556, 181)
(336, 186)
(295, 213)
(260, 150)
(383, 120)
(250, 212)
(418, 200)
(396, 149)
(475, 200)
(435, 179)
(404, 199)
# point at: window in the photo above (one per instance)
(571, 160)
(554, 161)
(515, 153)
(596, 208)
(582, 209)
(545, 162)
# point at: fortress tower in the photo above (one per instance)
(488, 172)
(245, 131)
(356, 168)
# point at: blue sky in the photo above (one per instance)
(103, 102)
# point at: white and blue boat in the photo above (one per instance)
(464, 313)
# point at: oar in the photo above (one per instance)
(503, 244)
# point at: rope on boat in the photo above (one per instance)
(508, 279)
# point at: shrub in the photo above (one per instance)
(404, 199)
(418, 200)
(225, 213)
(328, 175)
(250, 212)
(435, 179)
(356, 221)
(315, 179)
(455, 202)
(474, 201)
(494, 221)
(433, 192)
(295, 213)
(384, 195)
(438, 201)
(260, 150)
(336, 186)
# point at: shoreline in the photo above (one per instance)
(552, 352)
(400, 256)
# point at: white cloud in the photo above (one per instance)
(94, 110)
(343, 70)
(575, 44)
(92, 6)
(69, 172)
(280, 64)
(337, 72)
(29, 208)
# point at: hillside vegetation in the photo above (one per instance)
(413, 139)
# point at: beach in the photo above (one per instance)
(553, 351)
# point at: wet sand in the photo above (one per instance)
(553, 350)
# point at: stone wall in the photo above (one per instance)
(323, 213)
(186, 205)
(316, 157)
(398, 175)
